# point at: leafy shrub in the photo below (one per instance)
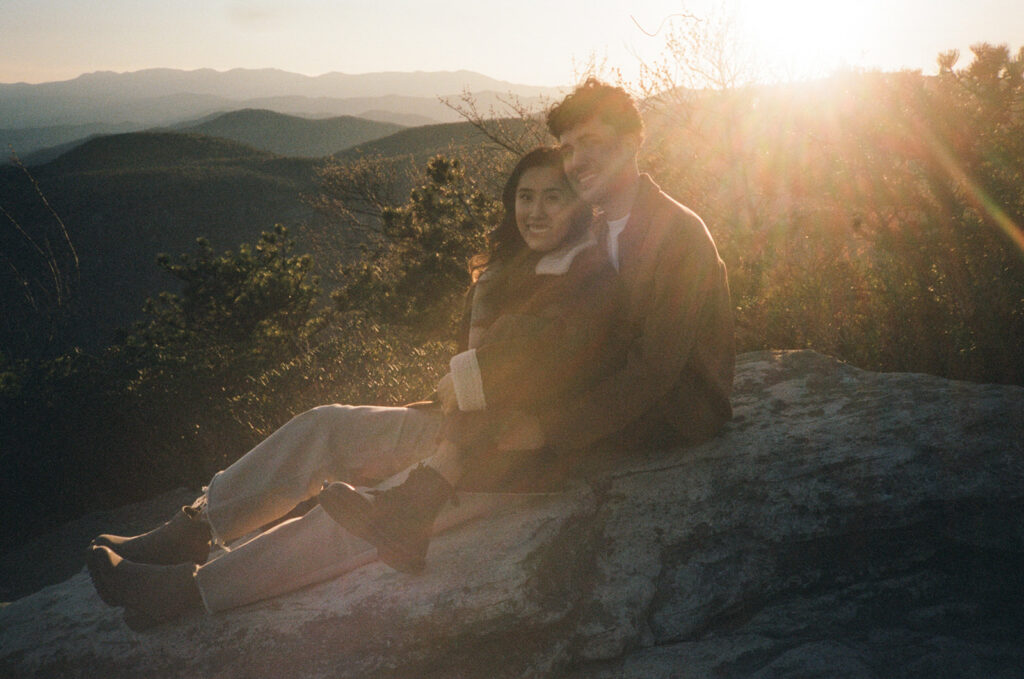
(416, 273)
(874, 217)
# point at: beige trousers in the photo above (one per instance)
(327, 443)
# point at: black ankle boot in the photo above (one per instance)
(185, 538)
(398, 520)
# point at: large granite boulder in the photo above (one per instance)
(846, 524)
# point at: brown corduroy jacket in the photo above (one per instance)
(678, 372)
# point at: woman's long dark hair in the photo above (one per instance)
(505, 243)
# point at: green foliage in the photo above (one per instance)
(949, 264)
(874, 217)
(417, 271)
(356, 361)
(259, 302)
(201, 352)
(175, 400)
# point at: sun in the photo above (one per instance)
(799, 39)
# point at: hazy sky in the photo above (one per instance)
(540, 42)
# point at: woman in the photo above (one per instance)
(557, 296)
(539, 314)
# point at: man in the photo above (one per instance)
(675, 384)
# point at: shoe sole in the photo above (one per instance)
(138, 621)
(99, 566)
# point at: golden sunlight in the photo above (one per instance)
(799, 39)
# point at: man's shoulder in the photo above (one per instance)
(669, 221)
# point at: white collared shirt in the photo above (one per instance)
(614, 229)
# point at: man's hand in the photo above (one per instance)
(521, 431)
(446, 394)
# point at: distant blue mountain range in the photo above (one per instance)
(37, 116)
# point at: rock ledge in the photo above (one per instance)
(846, 524)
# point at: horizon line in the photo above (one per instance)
(86, 74)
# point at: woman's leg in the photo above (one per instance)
(304, 551)
(326, 443)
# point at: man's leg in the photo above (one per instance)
(291, 555)
(326, 443)
(399, 520)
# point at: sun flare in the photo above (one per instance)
(795, 39)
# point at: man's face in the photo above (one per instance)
(598, 161)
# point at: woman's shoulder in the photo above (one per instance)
(585, 272)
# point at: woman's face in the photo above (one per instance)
(544, 207)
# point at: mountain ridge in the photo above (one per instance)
(36, 116)
(333, 83)
(157, 149)
(290, 135)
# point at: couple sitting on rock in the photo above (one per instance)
(599, 321)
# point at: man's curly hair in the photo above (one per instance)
(610, 104)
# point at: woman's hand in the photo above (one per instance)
(446, 394)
